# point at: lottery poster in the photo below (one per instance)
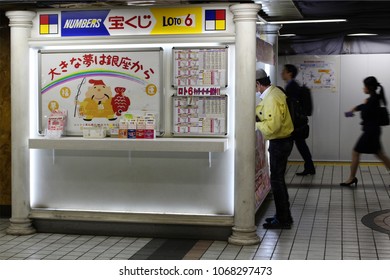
(97, 88)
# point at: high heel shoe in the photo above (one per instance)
(354, 181)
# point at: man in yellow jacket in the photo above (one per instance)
(274, 122)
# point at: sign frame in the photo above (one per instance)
(220, 73)
(159, 89)
(212, 115)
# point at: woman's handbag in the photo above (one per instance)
(383, 116)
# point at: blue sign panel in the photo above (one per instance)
(84, 23)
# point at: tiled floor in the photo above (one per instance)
(327, 226)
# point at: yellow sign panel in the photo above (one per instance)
(177, 21)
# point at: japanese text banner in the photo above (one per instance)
(140, 21)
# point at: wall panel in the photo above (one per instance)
(333, 136)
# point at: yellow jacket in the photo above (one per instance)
(275, 120)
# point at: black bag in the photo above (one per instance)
(299, 118)
(306, 100)
(383, 116)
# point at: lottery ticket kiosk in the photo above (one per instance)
(190, 70)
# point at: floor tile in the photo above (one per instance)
(327, 225)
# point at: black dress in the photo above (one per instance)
(369, 141)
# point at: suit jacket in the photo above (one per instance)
(293, 89)
(369, 111)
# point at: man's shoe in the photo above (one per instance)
(306, 172)
(270, 220)
(275, 224)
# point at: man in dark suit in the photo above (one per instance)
(293, 90)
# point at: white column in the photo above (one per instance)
(244, 230)
(21, 24)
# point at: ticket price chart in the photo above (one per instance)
(200, 67)
(200, 115)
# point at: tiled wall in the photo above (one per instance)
(5, 119)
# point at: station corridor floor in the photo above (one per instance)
(330, 223)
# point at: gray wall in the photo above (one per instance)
(332, 135)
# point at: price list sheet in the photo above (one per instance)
(200, 115)
(200, 67)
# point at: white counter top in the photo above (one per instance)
(115, 144)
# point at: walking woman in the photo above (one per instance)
(369, 141)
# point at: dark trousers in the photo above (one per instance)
(305, 153)
(279, 151)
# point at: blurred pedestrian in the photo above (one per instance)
(293, 90)
(369, 142)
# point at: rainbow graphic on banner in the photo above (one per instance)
(215, 20)
(95, 73)
(48, 24)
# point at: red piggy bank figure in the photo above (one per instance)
(120, 102)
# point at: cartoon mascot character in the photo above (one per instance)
(97, 102)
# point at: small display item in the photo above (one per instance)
(122, 131)
(150, 129)
(132, 126)
(131, 129)
(56, 124)
(140, 131)
(94, 132)
(113, 130)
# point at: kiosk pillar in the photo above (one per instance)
(244, 230)
(21, 24)
(270, 34)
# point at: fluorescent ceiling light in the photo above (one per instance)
(304, 21)
(141, 3)
(362, 34)
(287, 35)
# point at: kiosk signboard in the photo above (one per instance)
(136, 21)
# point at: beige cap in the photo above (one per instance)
(260, 73)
